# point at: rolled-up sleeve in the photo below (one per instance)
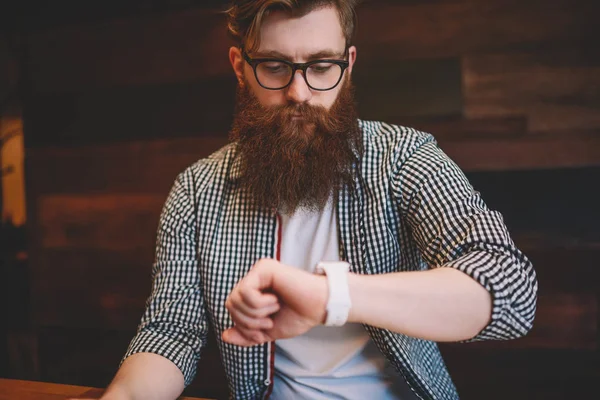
(453, 228)
(174, 324)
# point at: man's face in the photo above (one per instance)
(316, 35)
(297, 145)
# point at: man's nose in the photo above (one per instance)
(298, 91)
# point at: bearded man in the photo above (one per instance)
(328, 254)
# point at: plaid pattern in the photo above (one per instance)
(412, 209)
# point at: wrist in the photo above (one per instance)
(322, 294)
(354, 289)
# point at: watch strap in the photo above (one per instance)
(338, 303)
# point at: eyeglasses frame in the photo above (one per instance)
(253, 62)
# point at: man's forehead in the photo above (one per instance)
(317, 33)
(308, 55)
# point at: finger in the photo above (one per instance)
(251, 335)
(266, 312)
(235, 303)
(254, 298)
(246, 322)
(259, 313)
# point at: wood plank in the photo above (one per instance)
(556, 208)
(34, 15)
(564, 321)
(155, 48)
(546, 209)
(109, 222)
(566, 270)
(30, 390)
(90, 288)
(407, 88)
(132, 167)
(131, 113)
(438, 29)
(521, 374)
(557, 90)
(524, 153)
(8, 72)
(460, 128)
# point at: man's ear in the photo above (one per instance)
(237, 62)
(351, 58)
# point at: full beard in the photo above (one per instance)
(290, 162)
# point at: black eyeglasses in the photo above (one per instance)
(276, 74)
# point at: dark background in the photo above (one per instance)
(117, 97)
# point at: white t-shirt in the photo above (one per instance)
(328, 362)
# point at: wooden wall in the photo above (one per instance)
(115, 107)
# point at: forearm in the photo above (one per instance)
(441, 304)
(146, 376)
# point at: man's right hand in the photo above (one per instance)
(275, 301)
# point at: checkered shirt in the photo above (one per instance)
(412, 209)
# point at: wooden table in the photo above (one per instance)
(11, 389)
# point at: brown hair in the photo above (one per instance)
(245, 17)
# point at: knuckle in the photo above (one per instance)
(249, 299)
(243, 292)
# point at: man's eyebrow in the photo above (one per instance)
(323, 54)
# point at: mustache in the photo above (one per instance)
(281, 115)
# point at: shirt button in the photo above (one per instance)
(267, 382)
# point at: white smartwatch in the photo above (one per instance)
(338, 304)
